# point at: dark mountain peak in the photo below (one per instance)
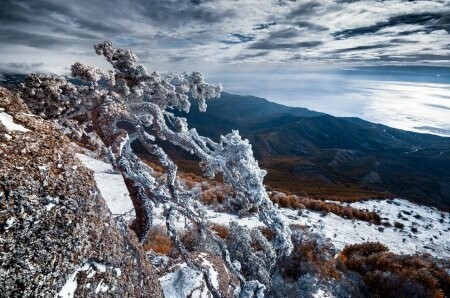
(284, 139)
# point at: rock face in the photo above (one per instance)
(57, 237)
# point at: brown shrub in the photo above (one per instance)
(296, 202)
(220, 230)
(390, 275)
(363, 249)
(310, 255)
(158, 241)
(207, 197)
(398, 225)
(190, 238)
(215, 193)
(267, 232)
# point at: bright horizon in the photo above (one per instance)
(345, 58)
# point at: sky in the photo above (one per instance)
(48, 35)
(410, 98)
(294, 52)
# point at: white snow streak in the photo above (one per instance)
(7, 120)
(69, 288)
(111, 185)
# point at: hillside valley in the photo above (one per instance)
(328, 157)
(322, 156)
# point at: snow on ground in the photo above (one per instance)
(432, 236)
(7, 120)
(432, 225)
(185, 281)
(69, 288)
(111, 185)
(425, 229)
(321, 294)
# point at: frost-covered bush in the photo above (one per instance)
(253, 251)
(312, 254)
(144, 100)
(311, 270)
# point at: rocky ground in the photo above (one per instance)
(57, 236)
(64, 218)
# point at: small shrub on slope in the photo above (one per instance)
(390, 275)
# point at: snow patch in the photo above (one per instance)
(184, 282)
(7, 120)
(322, 294)
(95, 165)
(212, 273)
(101, 287)
(49, 206)
(112, 186)
(118, 271)
(9, 222)
(69, 288)
(432, 236)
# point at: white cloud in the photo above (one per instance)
(176, 34)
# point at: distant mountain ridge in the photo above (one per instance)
(322, 156)
(331, 157)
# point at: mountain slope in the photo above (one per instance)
(324, 156)
(331, 157)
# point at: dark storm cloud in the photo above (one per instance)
(251, 55)
(438, 106)
(270, 45)
(310, 26)
(264, 26)
(24, 66)
(171, 12)
(20, 68)
(414, 58)
(403, 41)
(223, 31)
(363, 48)
(430, 22)
(285, 33)
(304, 9)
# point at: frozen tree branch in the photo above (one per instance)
(131, 94)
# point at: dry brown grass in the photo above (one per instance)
(308, 256)
(296, 202)
(220, 230)
(214, 195)
(390, 275)
(158, 241)
(267, 232)
(280, 178)
(280, 175)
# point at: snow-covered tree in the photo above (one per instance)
(90, 111)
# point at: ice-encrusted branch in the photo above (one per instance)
(131, 94)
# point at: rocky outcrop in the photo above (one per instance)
(57, 236)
